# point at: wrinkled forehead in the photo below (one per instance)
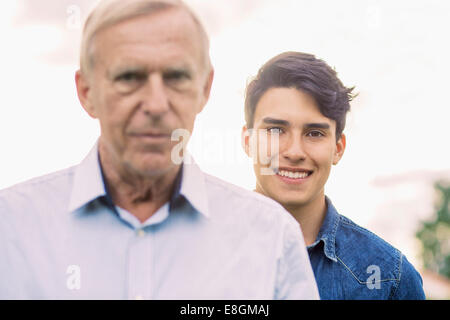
(166, 37)
(112, 13)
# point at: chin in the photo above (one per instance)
(152, 171)
(151, 165)
(290, 200)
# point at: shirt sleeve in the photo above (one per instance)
(5, 264)
(410, 285)
(295, 278)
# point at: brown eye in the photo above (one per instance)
(130, 77)
(315, 134)
(176, 75)
(129, 81)
(177, 79)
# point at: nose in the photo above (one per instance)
(294, 150)
(155, 101)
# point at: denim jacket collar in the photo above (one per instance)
(328, 230)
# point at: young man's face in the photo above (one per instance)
(307, 147)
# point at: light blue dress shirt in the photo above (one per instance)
(62, 238)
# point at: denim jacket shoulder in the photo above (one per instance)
(362, 265)
(375, 264)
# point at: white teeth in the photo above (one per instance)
(293, 175)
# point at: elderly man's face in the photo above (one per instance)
(149, 79)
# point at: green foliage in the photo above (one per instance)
(435, 234)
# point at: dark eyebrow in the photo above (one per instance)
(182, 71)
(316, 126)
(125, 69)
(276, 121)
(182, 68)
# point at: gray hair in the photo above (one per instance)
(111, 12)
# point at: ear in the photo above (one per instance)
(340, 148)
(83, 90)
(207, 88)
(245, 140)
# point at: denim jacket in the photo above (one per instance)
(350, 262)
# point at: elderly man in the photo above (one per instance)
(132, 222)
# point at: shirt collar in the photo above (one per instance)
(87, 181)
(88, 184)
(191, 185)
(328, 230)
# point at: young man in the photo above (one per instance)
(298, 101)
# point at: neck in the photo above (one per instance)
(140, 195)
(310, 216)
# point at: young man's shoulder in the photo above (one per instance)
(365, 254)
(353, 235)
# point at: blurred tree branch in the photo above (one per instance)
(435, 234)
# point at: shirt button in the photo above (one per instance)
(140, 233)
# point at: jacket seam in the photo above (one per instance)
(364, 282)
(356, 227)
(397, 284)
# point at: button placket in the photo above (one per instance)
(139, 286)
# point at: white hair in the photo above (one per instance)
(111, 12)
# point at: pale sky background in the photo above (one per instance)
(394, 52)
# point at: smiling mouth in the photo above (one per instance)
(294, 174)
